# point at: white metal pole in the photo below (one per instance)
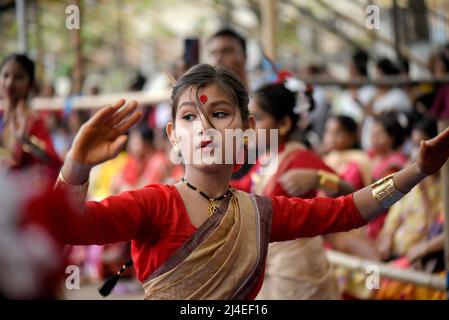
(388, 271)
(21, 25)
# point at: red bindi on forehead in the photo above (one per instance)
(203, 99)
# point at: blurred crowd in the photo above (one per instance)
(362, 133)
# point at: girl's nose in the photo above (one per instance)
(204, 124)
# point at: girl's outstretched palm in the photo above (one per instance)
(102, 137)
(433, 153)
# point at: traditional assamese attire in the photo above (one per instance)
(222, 259)
(419, 216)
(296, 269)
(352, 165)
(389, 164)
(39, 151)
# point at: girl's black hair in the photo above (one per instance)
(203, 75)
(390, 121)
(388, 67)
(360, 60)
(427, 126)
(349, 125)
(146, 133)
(231, 34)
(26, 63)
(278, 101)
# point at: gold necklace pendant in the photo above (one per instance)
(213, 206)
(213, 202)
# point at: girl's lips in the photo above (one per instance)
(205, 143)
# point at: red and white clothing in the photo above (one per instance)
(156, 221)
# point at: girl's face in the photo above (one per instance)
(228, 53)
(437, 66)
(378, 73)
(266, 121)
(380, 140)
(336, 137)
(14, 81)
(201, 137)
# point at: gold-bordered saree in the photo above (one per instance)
(223, 259)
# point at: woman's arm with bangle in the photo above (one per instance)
(382, 194)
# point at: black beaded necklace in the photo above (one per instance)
(213, 205)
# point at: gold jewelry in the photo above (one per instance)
(213, 205)
(329, 181)
(245, 140)
(385, 192)
(176, 147)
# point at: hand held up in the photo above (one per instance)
(99, 139)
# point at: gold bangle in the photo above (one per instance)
(329, 181)
(385, 192)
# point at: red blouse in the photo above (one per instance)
(303, 159)
(37, 128)
(156, 219)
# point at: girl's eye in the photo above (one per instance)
(220, 114)
(188, 117)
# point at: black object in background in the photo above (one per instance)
(191, 52)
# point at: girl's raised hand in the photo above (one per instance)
(102, 137)
(433, 153)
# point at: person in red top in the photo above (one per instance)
(311, 276)
(199, 239)
(387, 136)
(272, 107)
(24, 135)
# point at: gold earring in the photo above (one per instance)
(176, 147)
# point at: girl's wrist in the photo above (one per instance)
(74, 172)
(418, 171)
